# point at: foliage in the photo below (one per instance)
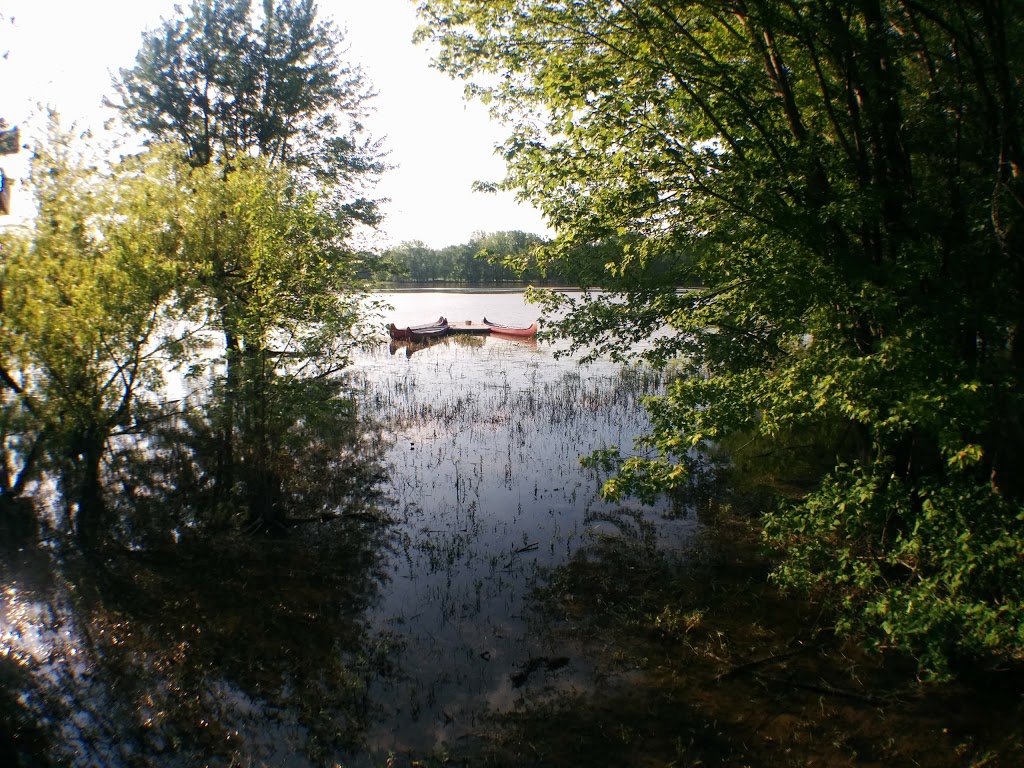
(487, 258)
(263, 264)
(124, 273)
(228, 81)
(844, 183)
(9, 138)
(83, 337)
(268, 117)
(274, 170)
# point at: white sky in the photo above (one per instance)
(61, 53)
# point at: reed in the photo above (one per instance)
(489, 494)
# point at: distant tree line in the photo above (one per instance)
(496, 257)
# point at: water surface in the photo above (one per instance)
(351, 641)
(490, 495)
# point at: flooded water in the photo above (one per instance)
(354, 641)
(489, 495)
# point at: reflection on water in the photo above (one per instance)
(196, 657)
(489, 496)
(396, 630)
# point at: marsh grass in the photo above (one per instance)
(562, 630)
(490, 494)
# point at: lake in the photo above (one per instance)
(396, 632)
(489, 496)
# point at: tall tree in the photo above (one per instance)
(845, 181)
(268, 116)
(239, 89)
(229, 81)
(124, 271)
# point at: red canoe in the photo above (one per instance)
(508, 330)
(419, 332)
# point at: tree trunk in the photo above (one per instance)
(84, 488)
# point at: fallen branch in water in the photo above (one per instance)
(741, 668)
(823, 688)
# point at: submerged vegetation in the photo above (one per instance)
(843, 180)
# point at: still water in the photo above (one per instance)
(347, 644)
(490, 496)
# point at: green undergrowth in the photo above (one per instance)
(698, 659)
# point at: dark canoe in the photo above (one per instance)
(508, 330)
(419, 332)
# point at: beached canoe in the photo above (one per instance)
(509, 330)
(419, 332)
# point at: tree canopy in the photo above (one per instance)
(844, 180)
(495, 257)
(228, 80)
(259, 100)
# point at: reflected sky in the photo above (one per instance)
(489, 495)
(398, 632)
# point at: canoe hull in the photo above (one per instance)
(469, 328)
(442, 328)
(423, 334)
(419, 332)
(506, 330)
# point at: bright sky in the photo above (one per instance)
(61, 53)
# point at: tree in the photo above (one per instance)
(844, 179)
(264, 96)
(84, 334)
(267, 117)
(122, 275)
(228, 82)
(487, 258)
(264, 265)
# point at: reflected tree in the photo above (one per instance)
(225, 651)
(304, 457)
(194, 641)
